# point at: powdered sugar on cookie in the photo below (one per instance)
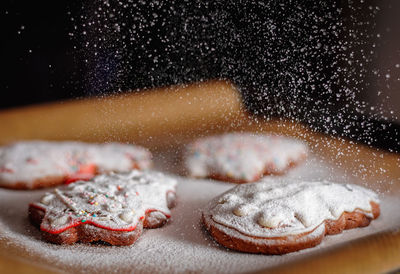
(280, 208)
(242, 157)
(116, 202)
(24, 164)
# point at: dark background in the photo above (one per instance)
(306, 60)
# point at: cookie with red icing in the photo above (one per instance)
(242, 157)
(112, 208)
(36, 164)
(277, 217)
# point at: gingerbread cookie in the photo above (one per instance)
(242, 157)
(112, 208)
(35, 164)
(277, 217)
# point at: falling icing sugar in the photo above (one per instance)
(312, 62)
(309, 61)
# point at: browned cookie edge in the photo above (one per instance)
(155, 218)
(283, 245)
(86, 232)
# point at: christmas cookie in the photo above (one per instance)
(277, 217)
(35, 164)
(111, 208)
(242, 157)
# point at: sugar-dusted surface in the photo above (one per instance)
(116, 201)
(286, 206)
(180, 246)
(243, 156)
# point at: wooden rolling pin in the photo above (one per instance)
(131, 117)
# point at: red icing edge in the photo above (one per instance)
(85, 173)
(78, 177)
(78, 222)
(6, 170)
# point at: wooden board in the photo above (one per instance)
(164, 117)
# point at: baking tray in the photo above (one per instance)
(164, 120)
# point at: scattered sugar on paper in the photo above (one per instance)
(180, 246)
